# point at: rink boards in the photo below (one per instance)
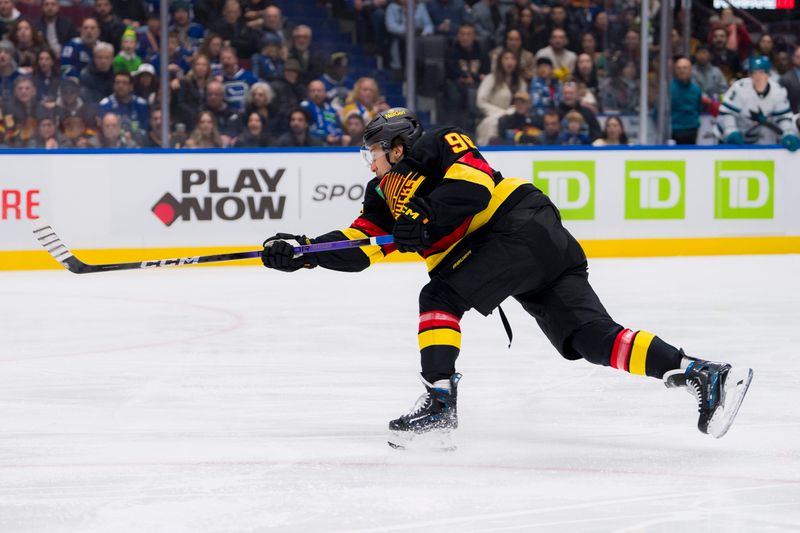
(133, 205)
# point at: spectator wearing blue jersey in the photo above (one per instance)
(190, 34)
(338, 83)
(77, 53)
(178, 58)
(148, 41)
(97, 79)
(268, 65)
(236, 80)
(447, 16)
(8, 70)
(324, 120)
(133, 111)
(544, 90)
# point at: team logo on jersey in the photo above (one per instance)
(397, 188)
(569, 184)
(205, 195)
(744, 189)
(655, 190)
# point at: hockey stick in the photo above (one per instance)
(47, 237)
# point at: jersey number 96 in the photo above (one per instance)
(459, 142)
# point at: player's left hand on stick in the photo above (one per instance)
(279, 253)
(412, 230)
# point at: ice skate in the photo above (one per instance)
(718, 388)
(432, 421)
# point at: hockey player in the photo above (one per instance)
(756, 110)
(484, 238)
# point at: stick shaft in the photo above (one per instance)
(52, 243)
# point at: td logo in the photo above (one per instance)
(570, 184)
(655, 190)
(744, 189)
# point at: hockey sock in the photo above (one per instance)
(641, 352)
(439, 343)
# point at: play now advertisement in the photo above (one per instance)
(182, 200)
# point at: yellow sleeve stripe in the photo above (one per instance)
(439, 337)
(374, 253)
(458, 171)
(638, 362)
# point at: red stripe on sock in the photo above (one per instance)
(621, 352)
(439, 319)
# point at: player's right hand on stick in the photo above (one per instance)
(279, 253)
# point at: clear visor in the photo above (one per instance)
(368, 155)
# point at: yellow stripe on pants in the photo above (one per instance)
(439, 337)
(638, 362)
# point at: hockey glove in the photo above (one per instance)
(791, 142)
(412, 231)
(279, 253)
(735, 138)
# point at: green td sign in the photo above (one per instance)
(655, 190)
(570, 184)
(744, 189)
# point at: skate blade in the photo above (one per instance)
(736, 385)
(438, 440)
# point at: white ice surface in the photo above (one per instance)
(245, 400)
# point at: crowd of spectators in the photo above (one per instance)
(511, 64)
(241, 74)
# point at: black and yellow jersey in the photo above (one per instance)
(464, 192)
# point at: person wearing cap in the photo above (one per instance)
(127, 60)
(338, 82)
(545, 89)
(519, 127)
(8, 70)
(755, 110)
(76, 119)
(268, 65)
(289, 92)
(710, 78)
(190, 34)
(145, 84)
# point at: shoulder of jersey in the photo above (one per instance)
(432, 140)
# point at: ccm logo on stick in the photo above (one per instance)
(171, 262)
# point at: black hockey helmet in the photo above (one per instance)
(392, 124)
